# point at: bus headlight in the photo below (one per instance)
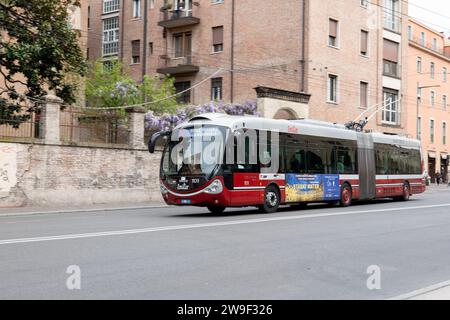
(214, 188)
(164, 189)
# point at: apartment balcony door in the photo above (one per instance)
(183, 46)
(183, 8)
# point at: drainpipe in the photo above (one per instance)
(303, 42)
(232, 52)
(122, 29)
(144, 53)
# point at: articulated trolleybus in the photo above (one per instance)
(219, 161)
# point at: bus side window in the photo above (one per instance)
(295, 160)
(315, 161)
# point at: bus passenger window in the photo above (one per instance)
(295, 161)
(315, 161)
(346, 161)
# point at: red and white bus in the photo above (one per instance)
(316, 162)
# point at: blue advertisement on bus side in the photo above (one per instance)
(312, 187)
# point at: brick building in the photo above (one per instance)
(428, 94)
(340, 57)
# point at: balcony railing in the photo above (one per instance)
(392, 23)
(430, 46)
(391, 69)
(177, 65)
(177, 18)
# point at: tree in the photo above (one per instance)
(113, 87)
(39, 52)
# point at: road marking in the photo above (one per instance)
(423, 291)
(208, 225)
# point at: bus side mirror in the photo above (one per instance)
(155, 137)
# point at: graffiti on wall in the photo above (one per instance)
(8, 168)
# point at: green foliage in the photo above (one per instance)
(114, 87)
(38, 51)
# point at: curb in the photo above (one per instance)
(81, 210)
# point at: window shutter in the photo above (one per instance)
(136, 48)
(390, 51)
(364, 40)
(363, 96)
(333, 28)
(217, 35)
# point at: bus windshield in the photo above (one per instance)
(194, 151)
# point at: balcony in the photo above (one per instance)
(392, 23)
(177, 66)
(391, 69)
(430, 46)
(177, 18)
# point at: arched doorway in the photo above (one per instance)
(285, 114)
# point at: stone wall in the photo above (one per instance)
(59, 175)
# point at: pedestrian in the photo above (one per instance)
(438, 178)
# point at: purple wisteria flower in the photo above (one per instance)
(169, 121)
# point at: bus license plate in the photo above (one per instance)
(185, 201)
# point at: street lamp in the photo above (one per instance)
(419, 97)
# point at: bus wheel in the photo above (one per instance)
(271, 200)
(346, 196)
(406, 193)
(216, 209)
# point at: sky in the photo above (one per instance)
(433, 13)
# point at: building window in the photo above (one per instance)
(217, 35)
(422, 39)
(391, 107)
(390, 58)
(434, 44)
(432, 131)
(135, 51)
(333, 33)
(216, 89)
(332, 88)
(136, 8)
(444, 133)
(419, 64)
(89, 17)
(432, 70)
(152, 4)
(111, 36)
(363, 94)
(364, 42)
(185, 97)
(216, 1)
(444, 101)
(183, 45)
(111, 6)
(444, 74)
(410, 33)
(364, 3)
(432, 98)
(392, 15)
(419, 128)
(419, 93)
(108, 65)
(150, 47)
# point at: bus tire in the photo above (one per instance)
(406, 193)
(346, 195)
(216, 209)
(272, 199)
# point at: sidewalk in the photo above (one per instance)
(4, 212)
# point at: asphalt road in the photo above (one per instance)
(185, 253)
